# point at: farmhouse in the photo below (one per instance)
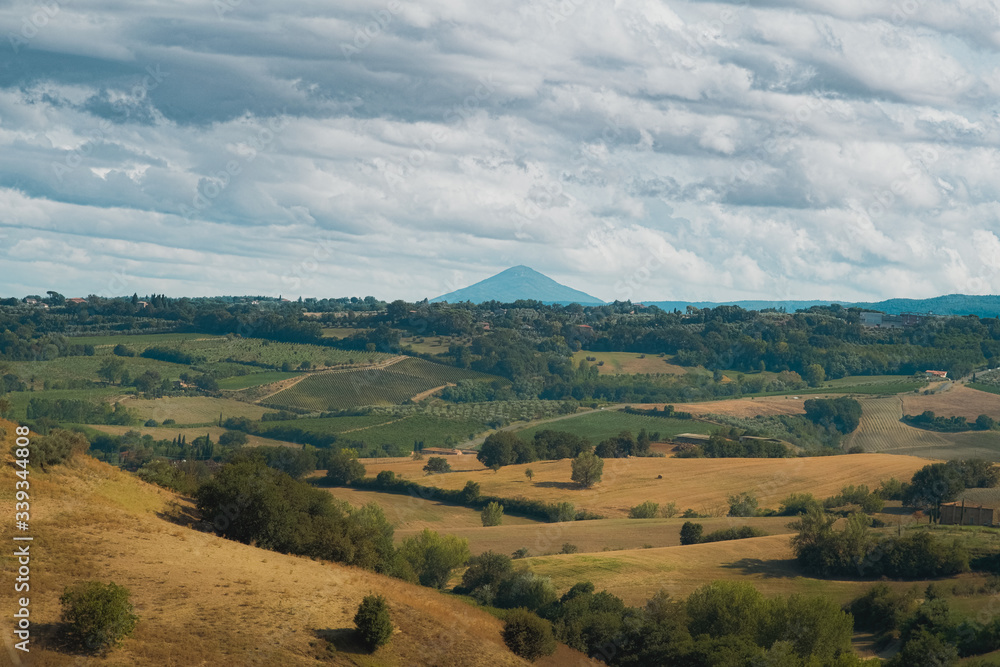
(936, 375)
(960, 513)
(76, 300)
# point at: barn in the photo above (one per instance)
(966, 514)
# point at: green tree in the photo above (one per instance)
(99, 615)
(691, 532)
(527, 635)
(499, 449)
(587, 469)
(814, 375)
(492, 514)
(470, 492)
(433, 557)
(437, 464)
(646, 510)
(373, 622)
(344, 468)
(111, 369)
(529, 473)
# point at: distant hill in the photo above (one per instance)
(520, 282)
(986, 305)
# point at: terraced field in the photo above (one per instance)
(392, 384)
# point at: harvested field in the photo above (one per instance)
(595, 536)
(959, 401)
(193, 409)
(740, 407)
(699, 484)
(410, 515)
(881, 429)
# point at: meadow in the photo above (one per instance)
(630, 363)
(375, 430)
(602, 424)
(192, 409)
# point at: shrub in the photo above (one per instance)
(733, 533)
(437, 464)
(587, 469)
(373, 622)
(433, 556)
(471, 492)
(669, 510)
(646, 510)
(691, 532)
(151, 423)
(568, 548)
(743, 504)
(56, 447)
(520, 553)
(527, 635)
(99, 615)
(492, 514)
(798, 503)
(522, 588)
(563, 512)
(385, 477)
(486, 569)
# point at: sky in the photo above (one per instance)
(632, 149)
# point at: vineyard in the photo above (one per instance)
(393, 384)
(507, 411)
(881, 429)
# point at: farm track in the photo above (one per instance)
(424, 394)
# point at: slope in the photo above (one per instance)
(204, 600)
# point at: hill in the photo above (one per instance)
(517, 283)
(982, 305)
(204, 600)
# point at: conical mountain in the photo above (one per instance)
(520, 282)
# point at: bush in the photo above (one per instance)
(568, 548)
(520, 553)
(471, 492)
(691, 532)
(373, 622)
(151, 423)
(734, 533)
(56, 447)
(527, 635)
(99, 615)
(743, 505)
(385, 477)
(492, 514)
(486, 569)
(344, 468)
(587, 469)
(798, 503)
(433, 557)
(646, 510)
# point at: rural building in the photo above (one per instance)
(76, 300)
(936, 375)
(691, 438)
(960, 513)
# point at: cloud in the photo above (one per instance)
(705, 150)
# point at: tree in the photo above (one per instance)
(373, 622)
(486, 569)
(470, 492)
(344, 468)
(691, 532)
(499, 449)
(646, 510)
(934, 484)
(814, 375)
(111, 369)
(437, 464)
(527, 635)
(529, 473)
(492, 514)
(743, 504)
(99, 615)
(433, 556)
(587, 469)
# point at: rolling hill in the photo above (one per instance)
(516, 283)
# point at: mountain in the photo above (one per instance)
(520, 282)
(982, 305)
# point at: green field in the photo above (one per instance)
(63, 369)
(373, 386)
(603, 424)
(375, 430)
(141, 340)
(192, 409)
(988, 388)
(254, 380)
(19, 399)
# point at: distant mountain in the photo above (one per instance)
(520, 282)
(952, 304)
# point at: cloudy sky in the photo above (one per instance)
(636, 149)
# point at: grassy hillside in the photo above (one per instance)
(597, 426)
(203, 600)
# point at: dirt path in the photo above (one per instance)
(424, 394)
(362, 428)
(282, 385)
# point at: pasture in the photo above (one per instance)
(192, 409)
(630, 363)
(699, 484)
(240, 382)
(739, 407)
(602, 424)
(375, 430)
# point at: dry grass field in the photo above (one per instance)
(959, 401)
(606, 535)
(411, 515)
(203, 600)
(741, 407)
(699, 484)
(193, 409)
